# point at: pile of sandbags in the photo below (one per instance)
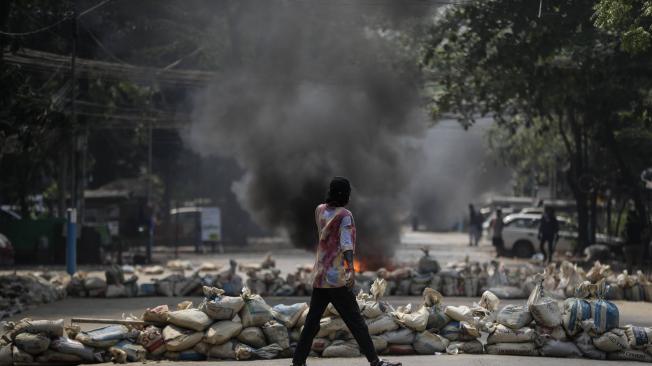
(19, 292)
(245, 327)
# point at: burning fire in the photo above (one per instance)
(372, 264)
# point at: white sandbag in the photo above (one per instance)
(379, 343)
(243, 352)
(489, 301)
(630, 355)
(135, 352)
(103, 337)
(399, 336)
(194, 319)
(221, 331)
(224, 351)
(158, 315)
(544, 309)
(73, 347)
(370, 304)
(416, 321)
(514, 316)
(557, 333)
(302, 319)
(604, 314)
(288, 314)
(459, 313)
(381, 324)
(638, 337)
(20, 356)
(507, 292)
(152, 339)
(330, 325)
(320, 344)
(268, 352)
(255, 312)
(471, 347)
(220, 307)
(575, 311)
(51, 356)
(295, 335)
(555, 348)
(612, 341)
(588, 349)
(188, 355)
(252, 336)
(459, 331)
(277, 333)
(503, 334)
(178, 339)
(516, 349)
(32, 343)
(427, 343)
(52, 328)
(342, 349)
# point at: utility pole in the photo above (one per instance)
(71, 237)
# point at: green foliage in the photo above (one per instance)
(630, 20)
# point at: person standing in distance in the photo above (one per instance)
(334, 276)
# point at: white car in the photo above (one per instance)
(520, 235)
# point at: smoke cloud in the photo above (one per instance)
(313, 92)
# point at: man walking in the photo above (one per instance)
(548, 233)
(497, 233)
(475, 226)
(334, 276)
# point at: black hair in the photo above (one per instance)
(339, 191)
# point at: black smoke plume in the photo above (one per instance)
(312, 91)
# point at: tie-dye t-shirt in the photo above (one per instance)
(336, 235)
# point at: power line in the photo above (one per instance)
(67, 16)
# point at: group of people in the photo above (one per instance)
(547, 235)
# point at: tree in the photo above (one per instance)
(554, 72)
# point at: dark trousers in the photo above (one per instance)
(499, 244)
(551, 248)
(344, 302)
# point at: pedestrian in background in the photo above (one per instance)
(475, 226)
(497, 233)
(548, 233)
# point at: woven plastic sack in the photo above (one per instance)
(20, 356)
(220, 307)
(32, 343)
(179, 339)
(379, 343)
(630, 355)
(73, 347)
(612, 341)
(342, 349)
(370, 304)
(399, 336)
(158, 315)
(554, 348)
(152, 339)
(288, 315)
(588, 349)
(638, 337)
(437, 317)
(255, 312)
(416, 321)
(503, 334)
(489, 301)
(320, 344)
(426, 343)
(514, 316)
(268, 352)
(471, 347)
(330, 325)
(52, 328)
(381, 324)
(135, 352)
(557, 333)
(222, 331)
(277, 333)
(103, 337)
(51, 356)
(544, 309)
(575, 311)
(194, 319)
(252, 336)
(459, 331)
(459, 313)
(224, 351)
(516, 349)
